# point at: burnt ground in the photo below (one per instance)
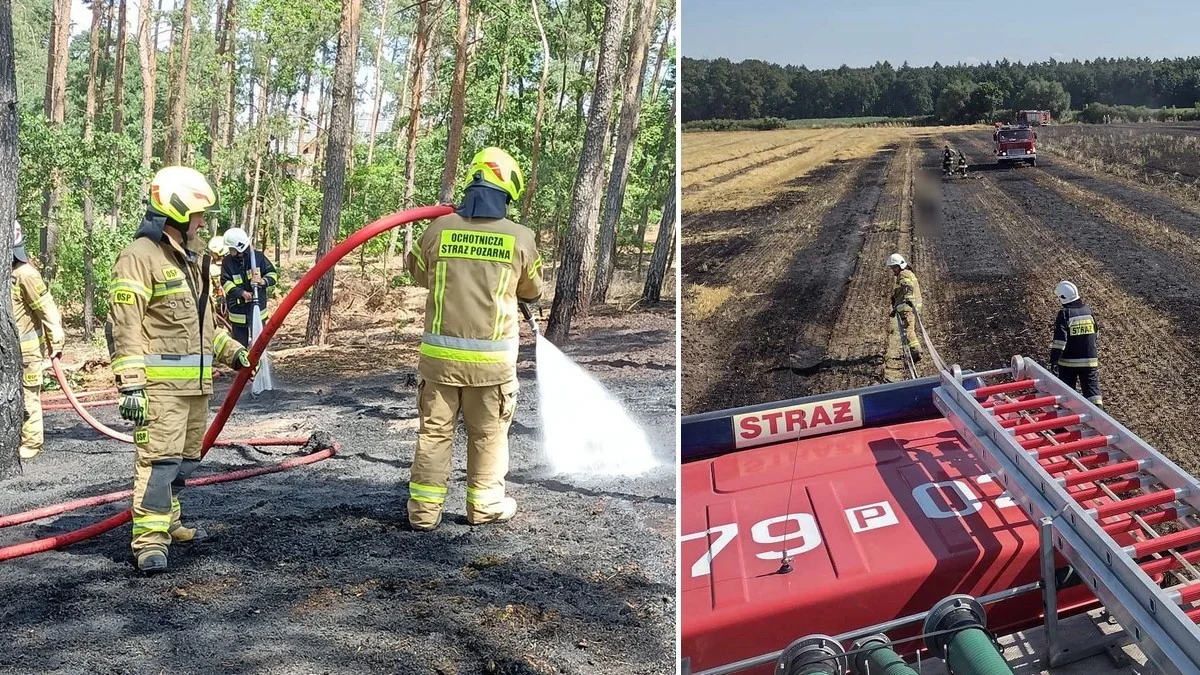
(987, 249)
(315, 571)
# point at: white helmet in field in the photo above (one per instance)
(897, 259)
(237, 239)
(1066, 292)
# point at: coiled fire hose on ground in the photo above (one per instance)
(218, 424)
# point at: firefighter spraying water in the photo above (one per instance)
(585, 430)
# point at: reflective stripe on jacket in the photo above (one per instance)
(1074, 341)
(236, 274)
(35, 313)
(164, 319)
(475, 270)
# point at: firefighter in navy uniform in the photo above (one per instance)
(477, 265)
(241, 282)
(165, 340)
(1073, 349)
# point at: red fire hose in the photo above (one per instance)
(210, 439)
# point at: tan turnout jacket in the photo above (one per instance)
(475, 269)
(162, 339)
(35, 313)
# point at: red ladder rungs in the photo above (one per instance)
(1028, 404)
(1117, 488)
(984, 392)
(1060, 465)
(1135, 503)
(1110, 471)
(1008, 424)
(1127, 523)
(1064, 437)
(1049, 423)
(1160, 544)
(1090, 443)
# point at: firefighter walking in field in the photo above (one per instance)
(906, 297)
(1073, 355)
(477, 265)
(164, 342)
(245, 283)
(39, 325)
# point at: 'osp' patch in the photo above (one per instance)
(32, 379)
(141, 436)
(123, 297)
(171, 273)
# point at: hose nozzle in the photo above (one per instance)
(528, 314)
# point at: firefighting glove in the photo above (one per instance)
(134, 405)
(242, 360)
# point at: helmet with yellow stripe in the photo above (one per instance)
(496, 168)
(179, 191)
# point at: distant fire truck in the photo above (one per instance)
(1015, 143)
(1033, 118)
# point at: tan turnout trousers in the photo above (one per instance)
(168, 451)
(31, 381)
(488, 413)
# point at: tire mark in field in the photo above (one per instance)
(756, 256)
(802, 293)
(723, 160)
(860, 346)
(700, 186)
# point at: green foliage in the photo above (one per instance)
(720, 89)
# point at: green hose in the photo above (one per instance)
(876, 657)
(971, 652)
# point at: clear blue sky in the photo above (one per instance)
(829, 33)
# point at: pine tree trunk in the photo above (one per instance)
(378, 83)
(89, 222)
(662, 52)
(119, 74)
(663, 248)
(12, 406)
(417, 88)
(573, 287)
(105, 44)
(230, 67)
(55, 109)
(631, 107)
(458, 102)
(295, 229)
(214, 110)
(668, 135)
(147, 58)
(537, 119)
(335, 169)
(397, 130)
(177, 97)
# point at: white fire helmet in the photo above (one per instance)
(1066, 292)
(237, 239)
(897, 259)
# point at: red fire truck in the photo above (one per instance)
(1015, 143)
(1033, 117)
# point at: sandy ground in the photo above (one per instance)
(315, 570)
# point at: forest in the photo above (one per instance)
(722, 90)
(315, 118)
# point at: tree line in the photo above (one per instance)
(315, 118)
(721, 89)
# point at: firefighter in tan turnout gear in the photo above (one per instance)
(477, 265)
(164, 342)
(906, 296)
(39, 325)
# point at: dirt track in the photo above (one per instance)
(808, 314)
(315, 570)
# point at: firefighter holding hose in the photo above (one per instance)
(906, 297)
(477, 265)
(246, 274)
(164, 342)
(39, 327)
(1073, 356)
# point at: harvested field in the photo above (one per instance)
(785, 293)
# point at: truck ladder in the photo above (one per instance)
(1085, 478)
